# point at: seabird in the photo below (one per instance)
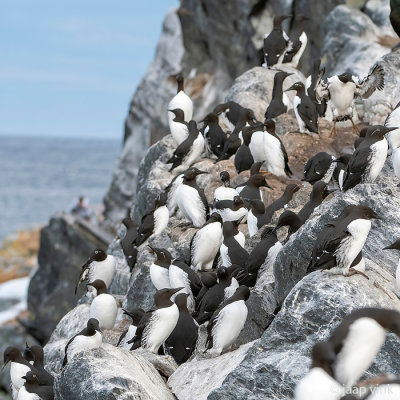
(231, 251)
(319, 167)
(310, 85)
(231, 210)
(88, 338)
(205, 243)
(178, 126)
(181, 100)
(225, 191)
(341, 90)
(299, 43)
(253, 188)
(154, 221)
(159, 272)
(98, 266)
(227, 321)
(136, 314)
(37, 355)
(214, 136)
(171, 193)
(255, 169)
(317, 196)
(128, 242)
(290, 219)
(158, 323)
(279, 102)
(103, 307)
(33, 389)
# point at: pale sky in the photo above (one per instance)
(70, 68)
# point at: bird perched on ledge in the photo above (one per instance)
(344, 88)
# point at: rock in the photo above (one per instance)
(127, 375)
(350, 42)
(65, 245)
(313, 308)
(197, 378)
(383, 197)
(165, 365)
(253, 89)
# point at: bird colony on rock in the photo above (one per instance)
(212, 286)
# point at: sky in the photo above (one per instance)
(70, 68)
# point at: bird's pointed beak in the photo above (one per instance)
(393, 246)
(291, 88)
(176, 290)
(151, 251)
(202, 172)
(5, 363)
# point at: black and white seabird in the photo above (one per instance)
(178, 126)
(88, 338)
(154, 221)
(235, 139)
(319, 383)
(305, 110)
(264, 252)
(317, 196)
(358, 339)
(231, 210)
(255, 216)
(310, 85)
(189, 151)
(282, 202)
(367, 160)
(171, 193)
(227, 321)
(266, 145)
(205, 243)
(253, 188)
(158, 323)
(214, 136)
(225, 191)
(396, 246)
(37, 354)
(319, 167)
(216, 294)
(136, 314)
(279, 102)
(181, 343)
(208, 280)
(103, 307)
(159, 269)
(243, 158)
(128, 242)
(98, 266)
(191, 200)
(181, 275)
(231, 251)
(255, 169)
(341, 90)
(276, 43)
(238, 234)
(341, 241)
(181, 100)
(19, 368)
(33, 389)
(299, 40)
(232, 111)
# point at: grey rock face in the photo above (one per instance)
(64, 248)
(127, 376)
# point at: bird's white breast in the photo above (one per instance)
(225, 193)
(159, 276)
(23, 394)
(256, 146)
(318, 385)
(171, 203)
(252, 223)
(160, 326)
(342, 96)
(103, 270)
(189, 202)
(296, 103)
(240, 238)
(231, 289)
(129, 335)
(183, 101)
(362, 343)
(161, 218)
(377, 160)
(17, 371)
(396, 161)
(81, 343)
(228, 214)
(229, 324)
(274, 156)
(179, 131)
(226, 261)
(194, 153)
(104, 309)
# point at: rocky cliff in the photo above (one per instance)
(272, 353)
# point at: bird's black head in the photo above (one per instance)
(192, 173)
(269, 125)
(11, 354)
(225, 178)
(128, 222)
(162, 199)
(268, 231)
(292, 188)
(323, 356)
(222, 273)
(98, 255)
(364, 212)
(36, 352)
(93, 326)
(220, 108)
(99, 285)
(179, 114)
(258, 180)
(279, 19)
(181, 300)
(163, 296)
(164, 257)
(298, 86)
(257, 206)
(215, 217)
(345, 77)
(228, 229)
(31, 378)
(288, 218)
(238, 201)
(136, 314)
(211, 118)
(242, 293)
(394, 246)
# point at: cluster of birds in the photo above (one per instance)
(212, 286)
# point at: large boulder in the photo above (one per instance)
(110, 373)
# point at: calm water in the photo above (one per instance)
(40, 176)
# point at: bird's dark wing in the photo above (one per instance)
(309, 115)
(122, 336)
(137, 339)
(82, 332)
(357, 164)
(375, 80)
(285, 155)
(316, 168)
(83, 274)
(145, 229)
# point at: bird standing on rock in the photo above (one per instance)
(178, 126)
(342, 89)
(214, 136)
(299, 40)
(158, 323)
(98, 266)
(319, 167)
(159, 269)
(136, 314)
(279, 102)
(225, 191)
(191, 200)
(181, 100)
(33, 389)
(128, 242)
(253, 188)
(37, 354)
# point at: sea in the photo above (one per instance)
(39, 176)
